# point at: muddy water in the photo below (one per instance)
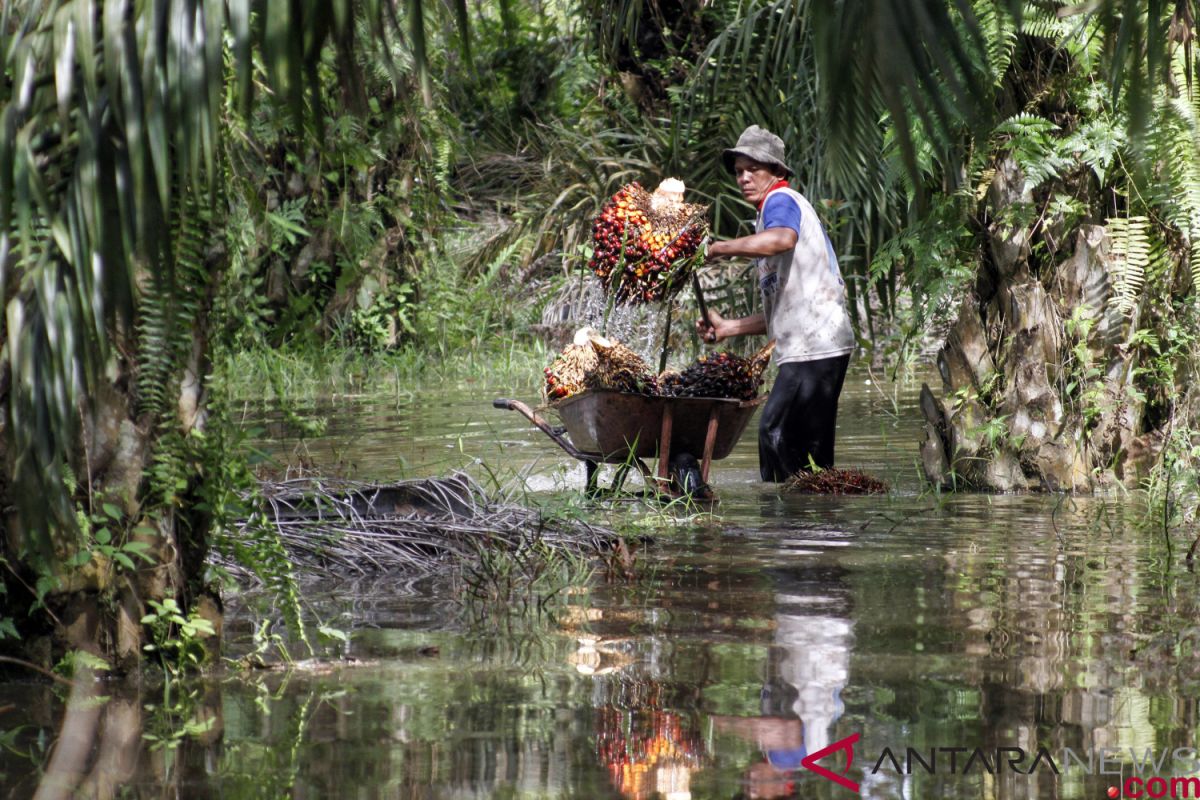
(939, 630)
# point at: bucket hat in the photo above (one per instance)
(759, 144)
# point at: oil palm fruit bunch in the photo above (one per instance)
(645, 245)
(835, 481)
(595, 362)
(724, 375)
(619, 369)
(565, 375)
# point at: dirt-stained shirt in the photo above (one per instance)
(802, 289)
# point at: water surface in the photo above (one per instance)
(747, 639)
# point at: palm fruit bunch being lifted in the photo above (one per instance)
(719, 375)
(645, 245)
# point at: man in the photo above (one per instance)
(804, 310)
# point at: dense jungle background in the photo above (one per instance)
(207, 201)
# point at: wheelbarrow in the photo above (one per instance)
(606, 427)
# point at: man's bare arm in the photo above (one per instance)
(770, 242)
(722, 328)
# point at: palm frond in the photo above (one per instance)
(1174, 143)
(110, 126)
(919, 59)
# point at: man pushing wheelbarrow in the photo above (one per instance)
(646, 247)
(804, 310)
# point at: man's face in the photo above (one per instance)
(753, 178)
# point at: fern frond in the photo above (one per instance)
(1161, 260)
(999, 31)
(1041, 23)
(1130, 261)
(1035, 148)
(167, 316)
(1174, 144)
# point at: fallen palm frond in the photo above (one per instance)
(347, 528)
(835, 481)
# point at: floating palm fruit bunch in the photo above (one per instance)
(724, 374)
(646, 245)
(835, 481)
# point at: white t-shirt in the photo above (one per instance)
(802, 290)
(818, 666)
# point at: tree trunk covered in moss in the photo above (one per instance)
(1046, 383)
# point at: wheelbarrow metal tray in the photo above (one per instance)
(615, 425)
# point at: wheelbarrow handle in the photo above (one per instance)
(554, 433)
(525, 411)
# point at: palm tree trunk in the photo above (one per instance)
(1028, 401)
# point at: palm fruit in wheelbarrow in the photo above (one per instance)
(724, 375)
(645, 245)
(619, 369)
(595, 362)
(566, 374)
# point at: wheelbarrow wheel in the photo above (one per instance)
(685, 477)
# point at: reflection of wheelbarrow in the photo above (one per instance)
(617, 428)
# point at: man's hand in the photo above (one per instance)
(718, 328)
(712, 329)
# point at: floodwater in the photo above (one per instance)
(978, 646)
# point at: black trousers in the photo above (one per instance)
(799, 418)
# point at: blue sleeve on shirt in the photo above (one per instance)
(781, 211)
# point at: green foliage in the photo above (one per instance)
(114, 148)
(1081, 376)
(108, 539)
(937, 257)
(1173, 486)
(929, 64)
(1131, 258)
(505, 587)
(1173, 148)
(177, 640)
(230, 497)
(1040, 155)
(312, 373)
(74, 662)
(1000, 34)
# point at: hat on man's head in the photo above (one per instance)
(759, 144)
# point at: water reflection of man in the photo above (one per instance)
(781, 740)
(808, 666)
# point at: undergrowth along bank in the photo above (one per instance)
(331, 370)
